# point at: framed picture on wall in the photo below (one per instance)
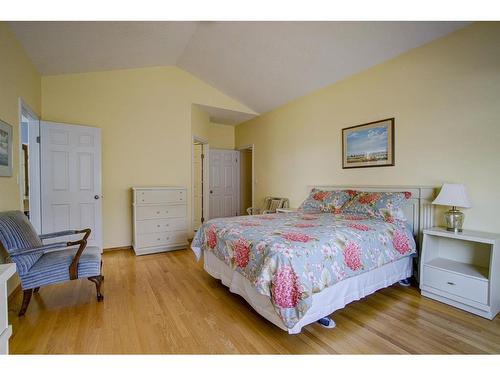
(368, 145)
(5, 149)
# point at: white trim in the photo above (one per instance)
(34, 166)
(250, 147)
(206, 179)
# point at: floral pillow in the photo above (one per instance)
(383, 205)
(324, 201)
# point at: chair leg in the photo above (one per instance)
(97, 280)
(26, 301)
(36, 290)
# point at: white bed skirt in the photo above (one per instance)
(324, 303)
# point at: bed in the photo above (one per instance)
(297, 268)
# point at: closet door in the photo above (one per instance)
(224, 189)
(71, 179)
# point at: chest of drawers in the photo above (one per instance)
(159, 219)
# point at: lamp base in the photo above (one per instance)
(454, 220)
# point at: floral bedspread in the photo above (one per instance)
(289, 257)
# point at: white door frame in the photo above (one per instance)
(206, 178)
(249, 147)
(34, 165)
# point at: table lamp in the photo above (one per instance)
(453, 195)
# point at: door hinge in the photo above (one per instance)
(236, 160)
(203, 156)
(38, 139)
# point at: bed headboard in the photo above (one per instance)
(419, 210)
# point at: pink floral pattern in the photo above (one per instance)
(241, 248)
(297, 237)
(304, 225)
(352, 256)
(359, 226)
(286, 288)
(368, 198)
(250, 224)
(310, 217)
(211, 237)
(401, 242)
(321, 195)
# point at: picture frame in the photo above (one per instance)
(368, 145)
(5, 149)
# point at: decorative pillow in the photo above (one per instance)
(383, 205)
(324, 201)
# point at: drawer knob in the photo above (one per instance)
(158, 239)
(158, 225)
(157, 212)
(450, 283)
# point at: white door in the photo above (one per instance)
(71, 179)
(224, 190)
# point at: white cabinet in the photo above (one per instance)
(462, 269)
(6, 271)
(160, 219)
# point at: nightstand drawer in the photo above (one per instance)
(459, 285)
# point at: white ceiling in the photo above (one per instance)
(261, 64)
(225, 116)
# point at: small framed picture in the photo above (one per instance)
(5, 149)
(368, 145)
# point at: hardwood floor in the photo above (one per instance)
(166, 303)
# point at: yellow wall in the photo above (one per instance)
(221, 136)
(445, 97)
(18, 78)
(145, 117)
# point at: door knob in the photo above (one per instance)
(211, 192)
(96, 196)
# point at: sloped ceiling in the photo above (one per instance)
(261, 64)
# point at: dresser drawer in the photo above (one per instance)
(459, 285)
(159, 239)
(160, 212)
(160, 196)
(160, 225)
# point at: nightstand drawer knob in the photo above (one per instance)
(450, 283)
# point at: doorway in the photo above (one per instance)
(246, 178)
(29, 163)
(200, 182)
(224, 183)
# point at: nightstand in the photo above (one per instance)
(462, 270)
(285, 210)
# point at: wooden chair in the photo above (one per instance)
(40, 265)
(271, 204)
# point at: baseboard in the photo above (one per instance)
(117, 248)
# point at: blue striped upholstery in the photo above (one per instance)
(53, 267)
(17, 233)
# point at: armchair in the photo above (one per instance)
(271, 204)
(39, 264)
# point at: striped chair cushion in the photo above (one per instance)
(17, 233)
(53, 267)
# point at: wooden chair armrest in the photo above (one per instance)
(73, 268)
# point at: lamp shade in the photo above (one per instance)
(453, 195)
